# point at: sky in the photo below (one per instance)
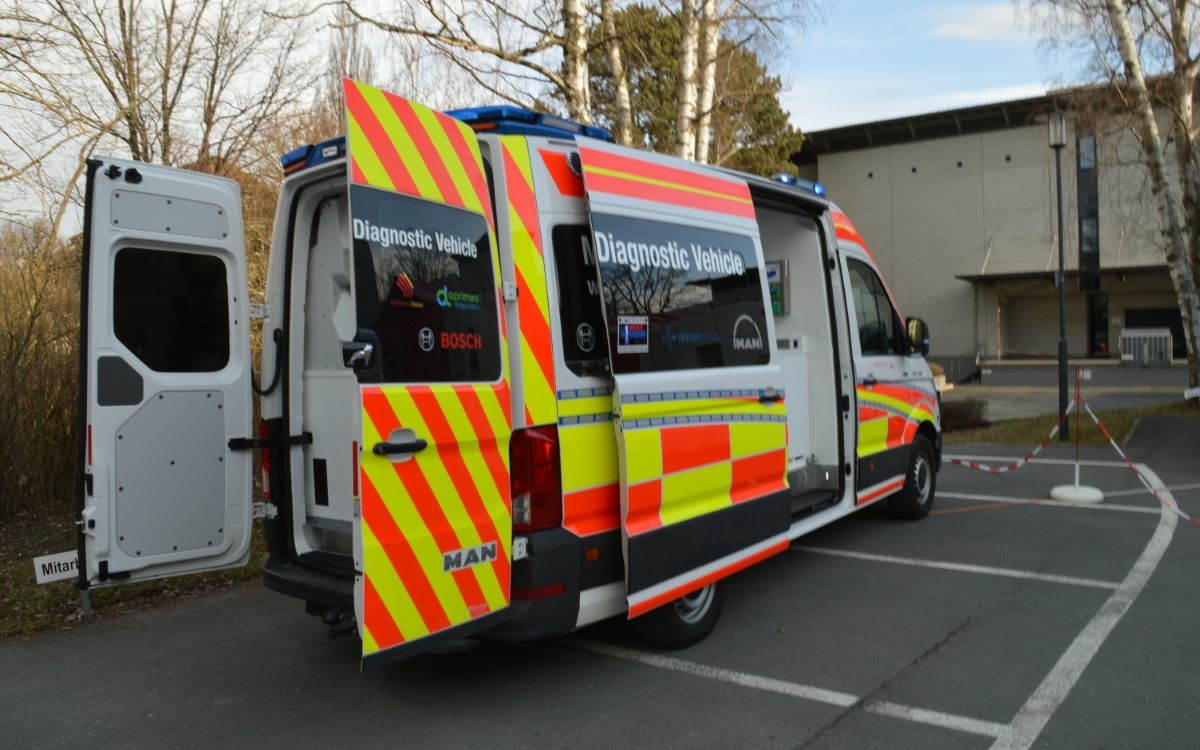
(877, 59)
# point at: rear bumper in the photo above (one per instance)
(295, 580)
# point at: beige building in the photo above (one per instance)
(959, 208)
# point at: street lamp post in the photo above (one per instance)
(1058, 139)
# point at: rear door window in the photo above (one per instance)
(426, 289)
(584, 346)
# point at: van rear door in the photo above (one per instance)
(433, 543)
(698, 401)
(165, 375)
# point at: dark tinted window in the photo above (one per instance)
(679, 297)
(171, 309)
(425, 287)
(873, 309)
(583, 338)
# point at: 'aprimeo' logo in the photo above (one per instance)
(746, 336)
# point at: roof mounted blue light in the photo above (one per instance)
(311, 155)
(507, 120)
(811, 186)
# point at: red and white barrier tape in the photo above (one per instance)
(1145, 483)
(995, 469)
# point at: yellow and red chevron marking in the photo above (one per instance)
(889, 416)
(630, 177)
(453, 495)
(402, 146)
(533, 305)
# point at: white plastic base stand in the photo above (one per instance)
(1074, 493)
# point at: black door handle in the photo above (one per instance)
(392, 449)
(770, 398)
(869, 380)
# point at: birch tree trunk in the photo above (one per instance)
(616, 63)
(1182, 228)
(689, 51)
(575, 64)
(710, 27)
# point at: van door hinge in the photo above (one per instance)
(264, 510)
(845, 403)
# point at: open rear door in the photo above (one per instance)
(165, 377)
(701, 424)
(432, 548)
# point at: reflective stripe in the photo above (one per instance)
(565, 179)
(525, 238)
(643, 179)
(880, 490)
(889, 415)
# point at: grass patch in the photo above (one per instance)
(29, 607)
(1033, 430)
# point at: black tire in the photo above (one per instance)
(685, 621)
(916, 498)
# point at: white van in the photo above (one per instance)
(515, 379)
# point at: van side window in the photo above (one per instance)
(679, 297)
(425, 287)
(171, 309)
(584, 346)
(873, 310)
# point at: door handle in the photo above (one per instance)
(869, 381)
(771, 397)
(392, 449)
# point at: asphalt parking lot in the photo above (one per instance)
(1003, 620)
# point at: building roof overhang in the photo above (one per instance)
(1112, 272)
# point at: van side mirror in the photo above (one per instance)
(918, 336)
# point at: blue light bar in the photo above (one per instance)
(507, 120)
(312, 155)
(811, 186)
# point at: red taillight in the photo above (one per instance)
(540, 592)
(536, 479)
(264, 461)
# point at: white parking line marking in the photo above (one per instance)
(1034, 715)
(1045, 461)
(791, 689)
(938, 719)
(961, 567)
(1055, 503)
(1144, 491)
(757, 682)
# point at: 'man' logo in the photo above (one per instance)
(746, 336)
(461, 559)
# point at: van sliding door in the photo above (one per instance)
(700, 420)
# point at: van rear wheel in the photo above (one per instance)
(916, 498)
(685, 621)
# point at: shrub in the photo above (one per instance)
(39, 314)
(964, 414)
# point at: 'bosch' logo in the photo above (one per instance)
(426, 339)
(585, 337)
(746, 336)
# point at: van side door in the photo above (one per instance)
(698, 400)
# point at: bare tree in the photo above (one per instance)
(1126, 39)
(178, 82)
(512, 50)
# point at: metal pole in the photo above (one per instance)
(1065, 433)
